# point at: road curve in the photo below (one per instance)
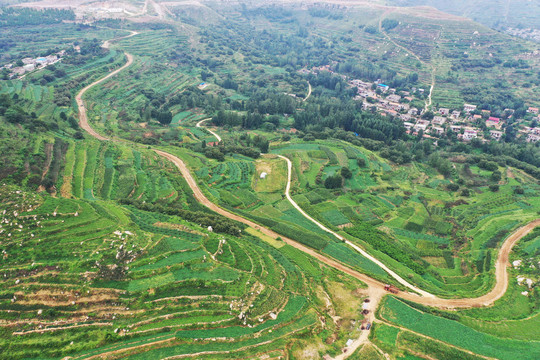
(309, 91)
(341, 238)
(83, 118)
(210, 131)
(487, 299)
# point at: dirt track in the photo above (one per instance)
(83, 119)
(210, 131)
(487, 299)
(309, 91)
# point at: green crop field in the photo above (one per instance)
(455, 333)
(109, 249)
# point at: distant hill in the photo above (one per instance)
(498, 14)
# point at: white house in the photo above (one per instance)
(469, 108)
(470, 134)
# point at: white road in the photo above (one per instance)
(339, 237)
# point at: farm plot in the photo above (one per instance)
(457, 334)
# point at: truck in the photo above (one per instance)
(391, 288)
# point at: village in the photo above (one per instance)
(27, 65)
(466, 124)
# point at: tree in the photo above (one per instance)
(361, 162)
(333, 182)
(429, 115)
(496, 175)
(494, 187)
(214, 153)
(164, 117)
(346, 172)
(15, 115)
(73, 122)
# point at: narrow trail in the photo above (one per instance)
(210, 131)
(428, 101)
(501, 265)
(309, 91)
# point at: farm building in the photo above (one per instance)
(470, 134)
(263, 175)
(437, 130)
(533, 138)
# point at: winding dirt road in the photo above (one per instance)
(83, 118)
(487, 299)
(210, 131)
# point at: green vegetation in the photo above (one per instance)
(107, 252)
(455, 333)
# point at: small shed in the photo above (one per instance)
(263, 175)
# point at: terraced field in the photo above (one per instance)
(110, 288)
(454, 333)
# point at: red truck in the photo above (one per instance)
(391, 288)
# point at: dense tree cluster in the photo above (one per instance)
(19, 16)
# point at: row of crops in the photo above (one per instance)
(455, 333)
(230, 182)
(101, 170)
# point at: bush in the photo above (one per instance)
(494, 187)
(488, 165)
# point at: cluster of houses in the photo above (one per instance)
(462, 124)
(31, 64)
(389, 102)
